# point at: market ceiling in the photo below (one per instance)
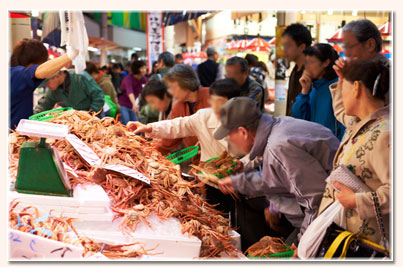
(172, 18)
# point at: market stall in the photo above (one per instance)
(109, 187)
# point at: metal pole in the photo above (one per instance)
(104, 35)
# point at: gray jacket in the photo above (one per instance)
(297, 158)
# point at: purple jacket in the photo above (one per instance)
(297, 158)
(130, 85)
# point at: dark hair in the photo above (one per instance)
(243, 64)
(137, 65)
(263, 66)
(367, 72)
(167, 58)
(324, 52)
(117, 66)
(185, 76)
(135, 56)
(228, 88)
(252, 60)
(91, 68)
(178, 56)
(28, 51)
(364, 30)
(299, 33)
(156, 88)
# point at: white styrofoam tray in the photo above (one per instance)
(165, 235)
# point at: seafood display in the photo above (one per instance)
(267, 245)
(167, 195)
(211, 171)
(61, 229)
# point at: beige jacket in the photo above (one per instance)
(202, 124)
(365, 151)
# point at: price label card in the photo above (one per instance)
(127, 171)
(92, 158)
(85, 152)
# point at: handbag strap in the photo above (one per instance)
(336, 243)
(379, 219)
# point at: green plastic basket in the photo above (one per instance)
(281, 255)
(183, 155)
(48, 114)
(228, 172)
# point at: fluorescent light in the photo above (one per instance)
(303, 12)
(355, 13)
(137, 48)
(93, 49)
(330, 12)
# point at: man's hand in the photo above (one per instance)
(225, 185)
(138, 127)
(345, 196)
(306, 82)
(272, 220)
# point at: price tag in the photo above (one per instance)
(92, 158)
(85, 152)
(127, 171)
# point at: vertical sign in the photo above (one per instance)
(155, 36)
(281, 84)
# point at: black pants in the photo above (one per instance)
(246, 214)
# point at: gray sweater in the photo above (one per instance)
(297, 158)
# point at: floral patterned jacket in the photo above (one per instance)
(365, 151)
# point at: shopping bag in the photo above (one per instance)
(314, 234)
(112, 107)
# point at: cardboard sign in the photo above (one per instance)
(127, 171)
(85, 152)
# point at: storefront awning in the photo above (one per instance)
(102, 43)
(386, 29)
(337, 37)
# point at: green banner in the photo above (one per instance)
(127, 19)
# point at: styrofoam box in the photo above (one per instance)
(87, 199)
(165, 235)
(26, 246)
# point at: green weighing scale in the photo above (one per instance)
(40, 170)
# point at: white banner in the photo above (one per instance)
(155, 36)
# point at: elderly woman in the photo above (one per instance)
(361, 41)
(365, 149)
(184, 86)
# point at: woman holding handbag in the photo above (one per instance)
(364, 150)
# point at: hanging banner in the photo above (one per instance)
(155, 37)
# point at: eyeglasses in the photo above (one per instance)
(349, 47)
